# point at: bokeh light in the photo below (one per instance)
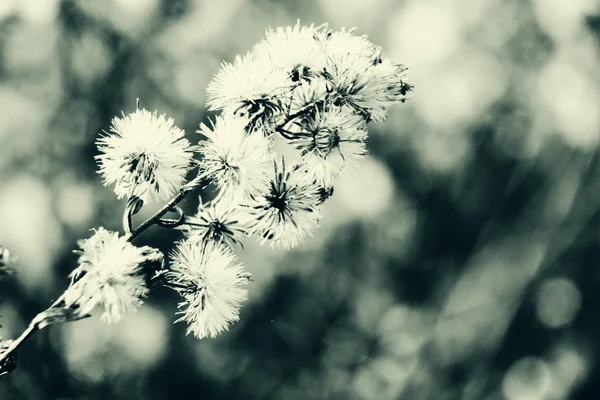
(558, 301)
(527, 379)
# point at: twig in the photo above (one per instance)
(35, 325)
(293, 116)
(183, 192)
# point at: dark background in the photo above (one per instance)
(459, 262)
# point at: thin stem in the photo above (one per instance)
(286, 134)
(154, 219)
(34, 326)
(134, 205)
(293, 116)
(127, 222)
(27, 333)
(183, 192)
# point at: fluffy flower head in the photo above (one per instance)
(360, 77)
(329, 140)
(287, 209)
(217, 222)
(109, 275)
(375, 89)
(211, 284)
(236, 162)
(251, 89)
(291, 46)
(145, 155)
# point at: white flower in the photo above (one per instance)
(287, 209)
(309, 95)
(379, 87)
(343, 48)
(251, 89)
(146, 155)
(329, 140)
(217, 222)
(212, 285)
(235, 161)
(109, 275)
(360, 77)
(289, 47)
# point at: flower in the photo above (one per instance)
(146, 156)
(236, 162)
(329, 140)
(109, 275)
(360, 77)
(378, 88)
(218, 223)
(250, 89)
(212, 286)
(288, 209)
(290, 47)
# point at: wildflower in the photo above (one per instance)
(292, 48)
(331, 139)
(212, 286)
(344, 48)
(109, 275)
(146, 155)
(217, 223)
(236, 162)
(360, 77)
(250, 89)
(379, 87)
(287, 209)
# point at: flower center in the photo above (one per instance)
(325, 141)
(277, 200)
(143, 167)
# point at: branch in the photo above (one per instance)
(52, 315)
(155, 219)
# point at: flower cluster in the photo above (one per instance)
(309, 88)
(315, 90)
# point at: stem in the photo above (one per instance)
(183, 192)
(33, 327)
(127, 221)
(286, 134)
(289, 118)
(293, 116)
(27, 333)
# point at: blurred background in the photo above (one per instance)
(459, 262)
